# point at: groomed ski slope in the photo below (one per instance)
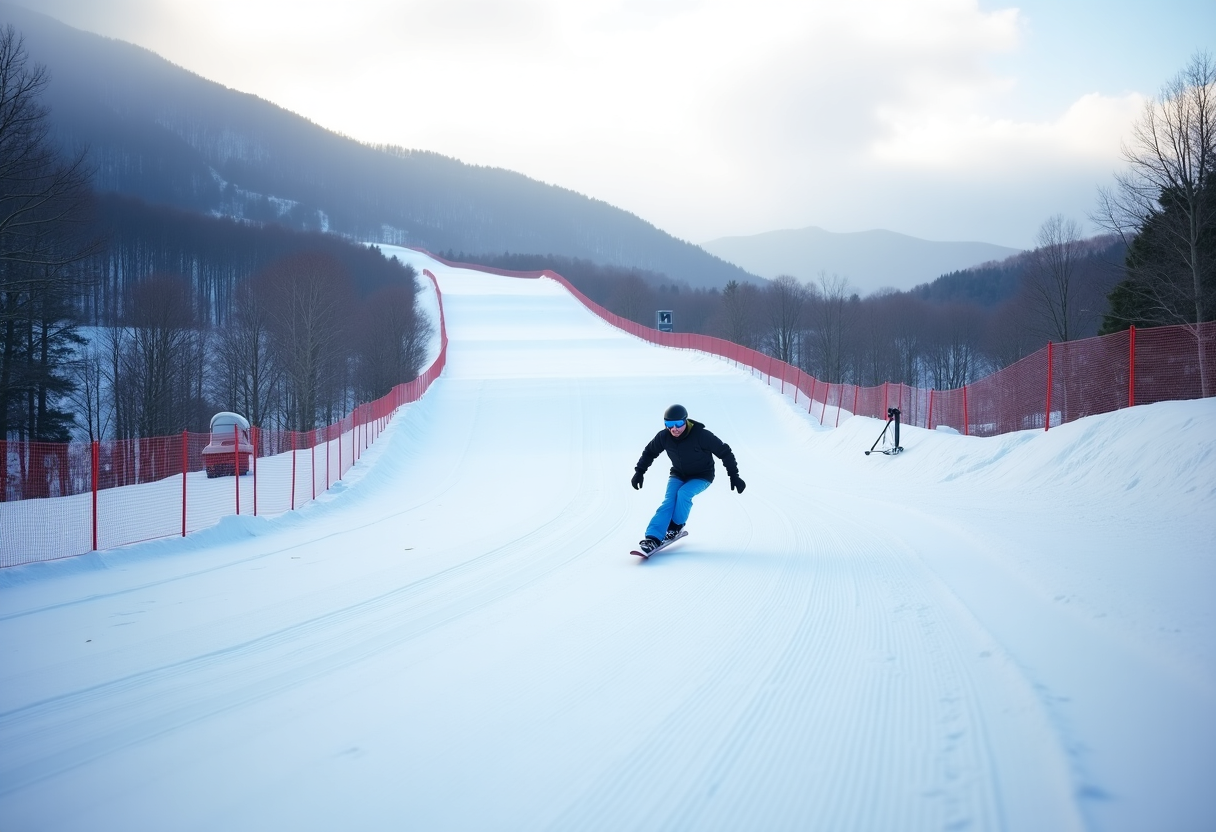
(1014, 633)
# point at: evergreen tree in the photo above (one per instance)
(1159, 289)
(44, 203)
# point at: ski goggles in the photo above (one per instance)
(674, 423)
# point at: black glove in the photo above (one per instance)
(636, 481)
(737, 484)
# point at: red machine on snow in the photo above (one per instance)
(229, 448)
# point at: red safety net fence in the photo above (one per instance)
(1057, 384)
(64, 499)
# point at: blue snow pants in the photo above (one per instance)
(676, 505)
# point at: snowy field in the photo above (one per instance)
(1014, 633)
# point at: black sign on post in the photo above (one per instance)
(663, 316)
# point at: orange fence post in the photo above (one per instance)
(1131, 368)
(1047, 416)
(185, 470)
(236, 465)
(255, 437)
(96, 473)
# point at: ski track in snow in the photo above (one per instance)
(456, 638)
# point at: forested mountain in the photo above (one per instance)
(213, 254)
(988, 285)
(871, 260)
(165, 135)
(188, 313)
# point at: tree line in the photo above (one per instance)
(950, 332)
(216, 253)
(300, 346)
(120, 319)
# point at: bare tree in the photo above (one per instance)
(632, 299)
(828, 313)
(875, 360)
(952, 339)
(784, 308)
(908, 340)
(43, 210)
(89, 397)
(156, 379)
(1053, 279)
(1164, 205)
(392, 342)
(738, 317)
(1011, 333)
(309, 297)
(39, 191)
(245, 370)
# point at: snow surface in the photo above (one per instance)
(1014, 633)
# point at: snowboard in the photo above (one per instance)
(660, 547)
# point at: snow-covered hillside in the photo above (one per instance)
(1013, 633)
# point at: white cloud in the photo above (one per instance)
(1088, 132)
(706, 117)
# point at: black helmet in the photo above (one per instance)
(675, 413)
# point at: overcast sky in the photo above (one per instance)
(943, 119)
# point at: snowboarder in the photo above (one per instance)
(691, 449)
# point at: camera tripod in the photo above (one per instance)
(892, 417)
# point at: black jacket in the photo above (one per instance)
(691, 453)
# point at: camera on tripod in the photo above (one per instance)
(894, 448)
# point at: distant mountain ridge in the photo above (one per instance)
(161, 133)
(871, 260)
(1098, 261)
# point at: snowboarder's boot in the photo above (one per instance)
(673, 529)
(648, 545)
